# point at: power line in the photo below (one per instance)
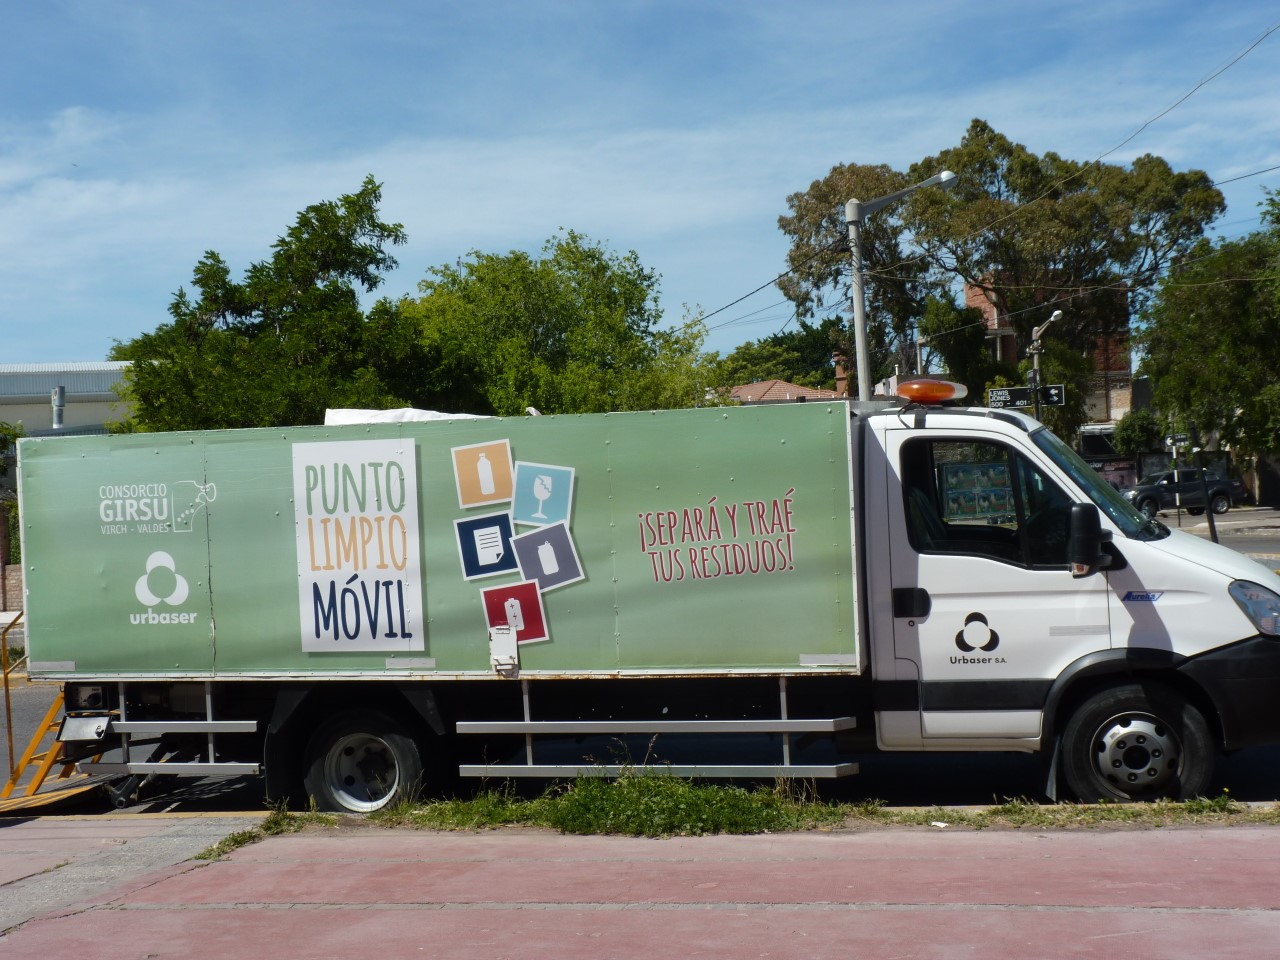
(745, 296)
(1187, 96)
(1246, 176)
(745, 316)
(1053, 187)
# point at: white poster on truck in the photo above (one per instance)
(359, 573)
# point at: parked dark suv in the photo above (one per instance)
(1164, 491)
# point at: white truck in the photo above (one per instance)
(356, 612)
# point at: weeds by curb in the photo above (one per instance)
(278, 821)
(649, 804)
(659, 805)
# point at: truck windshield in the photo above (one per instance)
(1122, 513)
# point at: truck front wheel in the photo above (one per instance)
(360, 761)
(1137, 742)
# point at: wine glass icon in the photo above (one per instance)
(541, 490)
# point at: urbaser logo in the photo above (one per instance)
(976, 637)
(161, 584)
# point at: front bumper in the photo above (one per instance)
(1243, 681)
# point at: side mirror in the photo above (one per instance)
(1087, 537)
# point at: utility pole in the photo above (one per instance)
(1035, 351)
(855, 213)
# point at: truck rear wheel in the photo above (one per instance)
(1220, 503)
(1137, 742)
(360, 761)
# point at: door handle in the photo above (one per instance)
(911, 602)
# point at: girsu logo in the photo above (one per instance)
(161, 584)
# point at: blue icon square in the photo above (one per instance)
(543, 494)
(484, 545)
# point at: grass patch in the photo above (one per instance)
(661, 805)
(654, 804)
(487, 809)
(278, 821)
(645, 804)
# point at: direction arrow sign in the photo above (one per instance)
(1177, 440)
(1053, 395)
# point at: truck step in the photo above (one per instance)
(155, 728)
(748, 771)
(577, 727)
(178, 769)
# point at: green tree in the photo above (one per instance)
(10, 540)
(1138, 432)
(1211, 338)
(1034, 233)
(802, 356)
(573, 331)
(9, 434)
(956, 339)
(819, 263)
(289, 340)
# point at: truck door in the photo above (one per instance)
(985, 606)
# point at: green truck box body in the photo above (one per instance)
(672, 542)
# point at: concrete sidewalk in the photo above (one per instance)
(359, 890)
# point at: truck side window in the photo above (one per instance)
(982, 499)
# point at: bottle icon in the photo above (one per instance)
(515, 616)
(484, 471)
(547, 559)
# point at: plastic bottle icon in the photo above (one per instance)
(547, 558)
(484, 471)
(515, 616)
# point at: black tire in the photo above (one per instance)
(1137, 742)
(1149, 508)
(1220, 503)
(359, 761)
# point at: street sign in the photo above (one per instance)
(1053, 395)
(1177, 440)
(1050, 396)
(1000, 397)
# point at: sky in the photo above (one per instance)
(135, 137)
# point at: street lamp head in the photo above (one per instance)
(945, 180)
(1038, 332)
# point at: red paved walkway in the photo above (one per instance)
(366, 892)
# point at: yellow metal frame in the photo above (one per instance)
(43, 760)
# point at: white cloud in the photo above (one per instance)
(675, 132)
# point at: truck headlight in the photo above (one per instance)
(1259, 604)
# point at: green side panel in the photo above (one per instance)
(117, 568)
(670, 541)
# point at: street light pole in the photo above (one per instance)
(1036, 348)
(855, 214)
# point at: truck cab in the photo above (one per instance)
(1127, 666)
